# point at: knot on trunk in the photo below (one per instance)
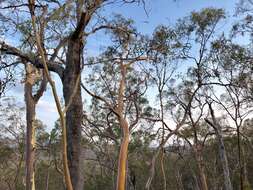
(32, 74)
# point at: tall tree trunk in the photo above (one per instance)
(163, 170)
(240, 157)
(222, 150)
(179, 183)
(74, 111)
(224, 160)
(42, 53)
(122, 162)
(246, 183)
(195, 182)
(16, 180)
(201, 170)
(30, 130)
(121, 179)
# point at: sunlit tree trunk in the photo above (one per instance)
(121, 179)
(61, 112)
(30, 135)
(32, 75)
(122, 161)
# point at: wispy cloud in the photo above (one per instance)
(47, 112)
(47, 106)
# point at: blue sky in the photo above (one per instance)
(159, 12)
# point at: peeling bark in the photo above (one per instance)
(32, 75)
(30, 136)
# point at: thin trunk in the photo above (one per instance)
(49, 165)
(56, 98)
(121, 179)
(18, 170)
(163, 170)
(47, 178)
(222, 150)
(133, 180)
(196, 182)
(178, 126)
(163, 136)
(30, 131)
(122, 162)
(201, 170)
(198, 153)
(74, 111)
(152, 170)
(180, 185)
(224, 160)
(240, 157)
(246, 183)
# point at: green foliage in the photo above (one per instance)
(206, 19)
(218, 71)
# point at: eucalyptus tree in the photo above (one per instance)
(230, 69)
(120, 87)
(32, 77)
(164, 47)
(63, 28)
(194, 132)
(207, 72)
(222, 149)
(200, 27)
(193, 33)
(244, 25)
